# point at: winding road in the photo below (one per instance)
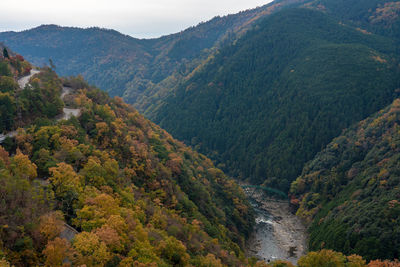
(68, 112)
(67, 231)
(22, 82)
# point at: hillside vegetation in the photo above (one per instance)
(133, 193)
(350, 191)
(267, 104)
(334, 65)
(263, 93)
(141, 70)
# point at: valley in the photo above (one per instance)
(122, 152)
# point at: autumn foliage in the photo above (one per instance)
(110, 188)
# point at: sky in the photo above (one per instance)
(138, 18)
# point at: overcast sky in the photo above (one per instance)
(138, 18)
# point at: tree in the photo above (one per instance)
(110, 237)
(56, 252)
(7, 111)
(52, 66)
(7, 84)
(386, 263)
(96, 211)
(51, 224)
(22, 167)
(90, 250)
(67, 186)
(5, 53)
(330, 258)
(4, 263)
(174, 251)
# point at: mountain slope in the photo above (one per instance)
(127, 66)
(267, 104)
(133, 194)
(144, 72)
(381, 17)
(350, 191)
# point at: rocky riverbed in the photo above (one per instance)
(278, 233)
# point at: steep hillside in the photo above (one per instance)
(350, 191)
(381, 17)
(108, 188)
(267, 104)
(105, 57)
(144, 72)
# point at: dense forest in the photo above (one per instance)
(267, 104)
(146, 71)
(140, 70)
(110, 188)
(350, 191)
(132, 193)
(297, 95)
(275, 75)
(21, 106)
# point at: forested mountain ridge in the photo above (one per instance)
(133, 193)
(350, 191)
(136, 69)
(144, 72)
(148, 72)
(267, 104)
(380, 17)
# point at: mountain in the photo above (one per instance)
(349, 193)
(125, 66)
(260, 92)
(379, 17)
(151, 74)
(267, 104)
(106, 188)
(144, 72)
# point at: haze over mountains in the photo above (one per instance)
(264, 93)
(141, 64)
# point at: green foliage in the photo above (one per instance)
(5, 53)
(7, 84)
(355, 179)
(7, 111)
(37, 102)
(43, 98)
(142, 71)
(371, 15)
(329, 258)
(267, 104)
(4, 69)
(133, 192)
(22, 203)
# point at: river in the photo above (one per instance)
(278, 234)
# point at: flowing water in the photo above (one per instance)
(263, 244)
(278, 234)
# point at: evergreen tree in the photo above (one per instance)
(5, 53)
